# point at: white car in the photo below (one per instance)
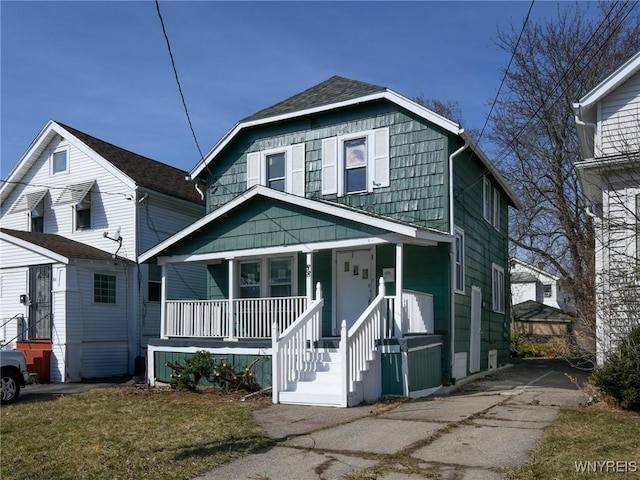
(14, 375)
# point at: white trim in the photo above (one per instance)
(424, 347)
(333, 210)
(498, 289)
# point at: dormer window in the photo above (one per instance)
(59, 161)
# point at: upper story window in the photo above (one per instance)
(355, 163)
(282, 169)
(496, 209)
(36, 218)
(59, 161)
(486, 203)
(459, 252)
(33, 204)
(547, 288)
(498, 288)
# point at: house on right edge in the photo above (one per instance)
(608, 123)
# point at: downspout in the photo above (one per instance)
(196, 186)
(579, 121)
(452, 262)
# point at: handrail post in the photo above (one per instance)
(275, 364)
(318, 291)
(344, 360)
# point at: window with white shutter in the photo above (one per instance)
(281, 169)
(355, 163)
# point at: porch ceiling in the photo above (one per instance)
(267, 221)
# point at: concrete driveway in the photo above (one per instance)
(472, 432)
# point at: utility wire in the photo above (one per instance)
(175, 72)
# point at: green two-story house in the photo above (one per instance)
(355, 241)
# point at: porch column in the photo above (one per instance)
(163, 302)
(231, 311)
(397, 311)
(309, 278)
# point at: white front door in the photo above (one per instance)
(474, 342)
(354, 285)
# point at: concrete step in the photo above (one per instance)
(304, 398)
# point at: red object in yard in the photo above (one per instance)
(38, 358)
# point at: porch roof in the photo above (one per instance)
(364, 229)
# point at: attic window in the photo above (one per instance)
(59, 161)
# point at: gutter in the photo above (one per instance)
(452, 254)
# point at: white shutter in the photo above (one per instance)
(253, 169)
(297, 170)
(329, 166)
(380, 158)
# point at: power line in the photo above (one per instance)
(175, 72)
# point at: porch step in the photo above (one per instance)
(38, 356)
(318, 399)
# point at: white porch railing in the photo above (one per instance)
(417, 312)
(290, 350)
(358, 344)
(253, 317)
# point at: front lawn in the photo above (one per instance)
(596, 442)
(126, 433)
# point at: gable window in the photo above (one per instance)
(104, 288)
(486, 203)
(281, 169)
(355, 163)
(278, 281)
(154, 286)
(498, 288)
(59, 161)
(459, 247)
(496, 209)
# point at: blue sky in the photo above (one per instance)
(103, 67)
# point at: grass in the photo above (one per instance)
(594, 434)
(126, 433)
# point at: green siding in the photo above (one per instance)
(484, 245)
(418, 161)
(391, 366)
(425, 368)
(267, 223)
(261, 370)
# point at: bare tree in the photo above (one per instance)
(556, 63)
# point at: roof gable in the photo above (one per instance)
(133, 168)
(338, 92)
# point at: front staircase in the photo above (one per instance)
(320, 383)
(38, 359)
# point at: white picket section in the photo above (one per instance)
(255, 316)
(197, 318)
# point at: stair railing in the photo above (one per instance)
(357, 344)
(290, 351)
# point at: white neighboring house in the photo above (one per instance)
(75, 214)
(608, 123)
(533, 283)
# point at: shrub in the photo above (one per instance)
(619, 376)
(522, 346)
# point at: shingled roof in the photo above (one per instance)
(61, 245)
(334, 90)
(146, 172)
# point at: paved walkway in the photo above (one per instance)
(479, 428)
